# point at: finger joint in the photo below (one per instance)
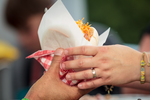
(85, 75)
(83, 50)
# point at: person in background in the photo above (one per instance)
(25, 17)
(145, 40)
(144, 45)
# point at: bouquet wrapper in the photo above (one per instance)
(59, 30)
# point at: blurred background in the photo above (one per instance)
(128, 18)
(19, 21)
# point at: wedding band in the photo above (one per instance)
(94, 73)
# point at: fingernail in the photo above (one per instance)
(58, 52)
(63, 66)
(68, 77)
(66, 52)
(80, 85)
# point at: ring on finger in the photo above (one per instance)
(94, 73)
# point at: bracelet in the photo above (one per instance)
(143, 69)
(25, 99)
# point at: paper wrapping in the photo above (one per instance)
(59, 30)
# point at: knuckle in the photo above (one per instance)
(70, 51)
(83, 50)
(104, 49)
(99, 73)
(89, 84)
(105, 67)
(104, 63)
(85, 75)
(104, 60)
(56, 60)
(106, 75)
(103, 75)
(85, 85)
(80, 63)
(73, 76)
(65, 65)
(92, 84)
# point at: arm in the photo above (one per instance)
(137, 85)
(50, 87)
(114, 65)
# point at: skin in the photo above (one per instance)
(46, 88)
(50, 87)
(143, 46)
(114, 65)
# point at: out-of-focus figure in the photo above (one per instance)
(7, 52)
(25, 17)
(145, 40)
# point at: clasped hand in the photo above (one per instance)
(114, 65)
(51, 87)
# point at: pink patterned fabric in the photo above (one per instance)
(44, 57)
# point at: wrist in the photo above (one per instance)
(138, 67)
(146, 67)
(32, 95)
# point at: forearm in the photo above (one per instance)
(137, 85)
(32, 94)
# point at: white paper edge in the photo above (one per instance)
(78, 36)
(103, 37)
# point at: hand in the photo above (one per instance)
(114, 65)
(50, 87)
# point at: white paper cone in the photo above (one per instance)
(59, 30)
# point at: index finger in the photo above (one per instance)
(81, 50)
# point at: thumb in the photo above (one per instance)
(55, 66)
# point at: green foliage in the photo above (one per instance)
(127, 17)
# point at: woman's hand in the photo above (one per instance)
(114, 65)
(50, 87)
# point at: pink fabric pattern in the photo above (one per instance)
(44, 57)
